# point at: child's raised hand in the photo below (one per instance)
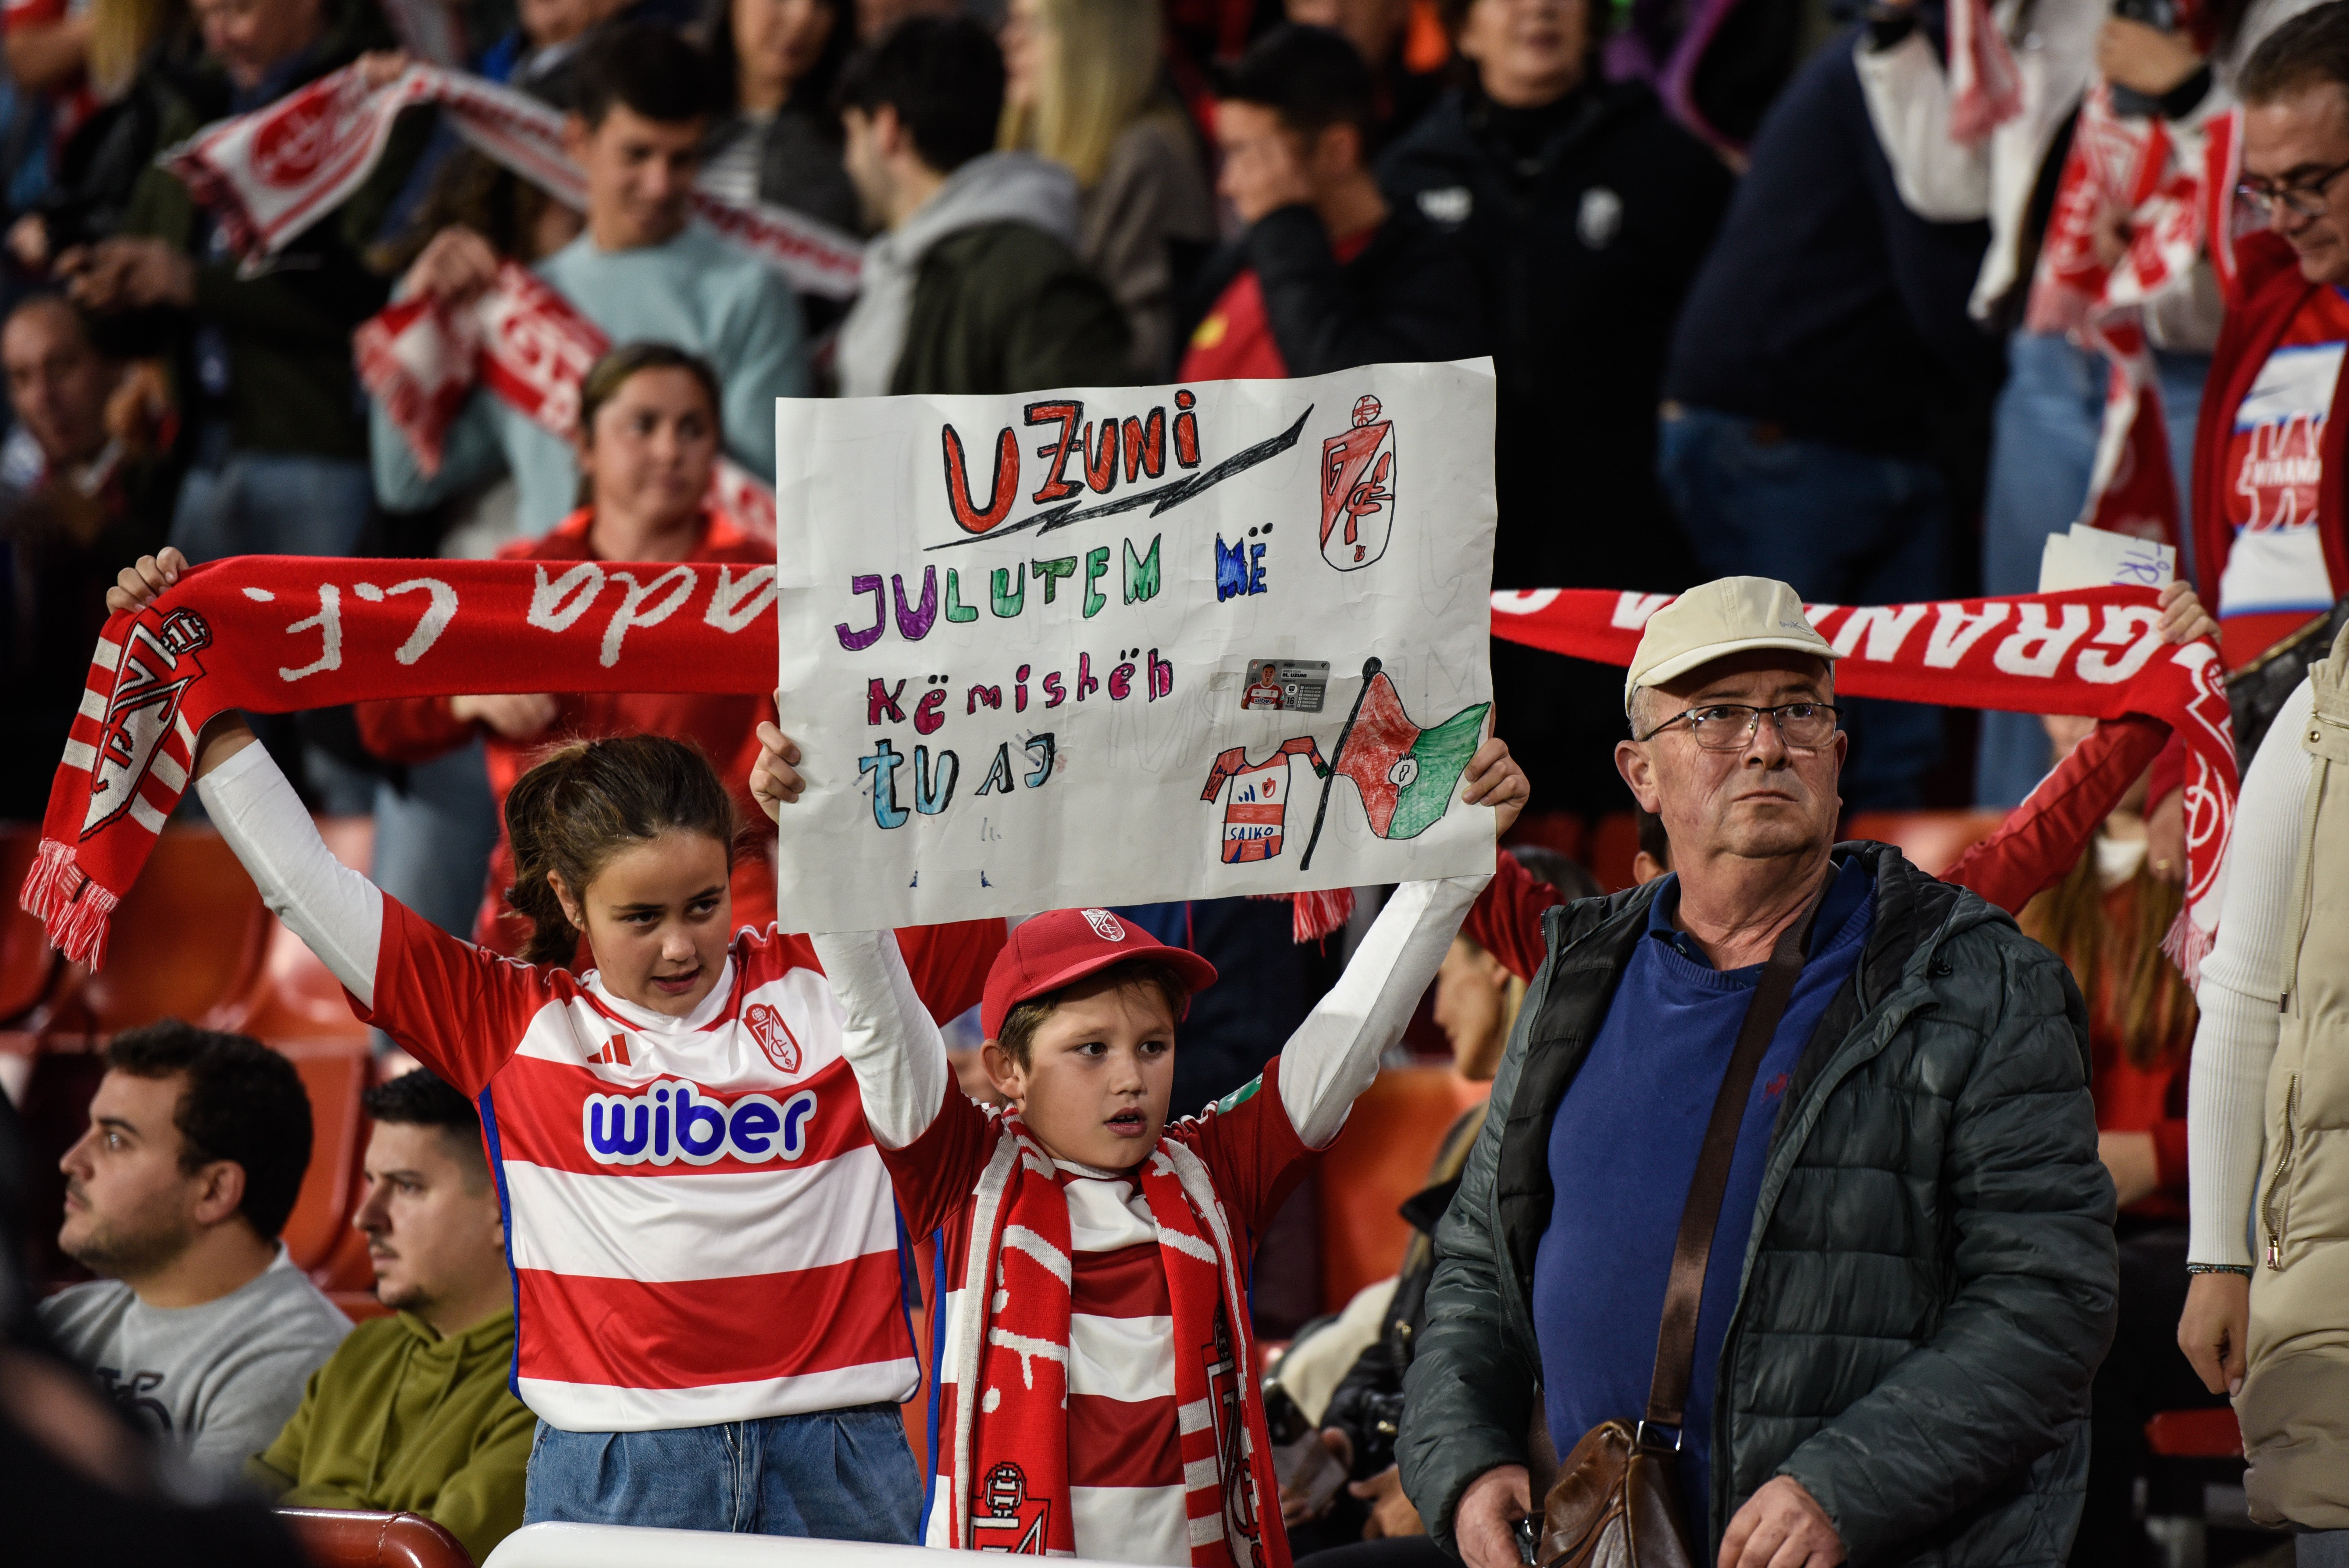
(1495, 780)
(2183, 618)
(138, 586)
(775, 783)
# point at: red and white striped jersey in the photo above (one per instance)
(1255, 816)
(701, 1226)
(1127, 1479)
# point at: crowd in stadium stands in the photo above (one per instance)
(1794, 293)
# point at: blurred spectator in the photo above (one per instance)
(412, 1413)
(2106, 920)
(77, 503)
(1083, 87)
(78, 1482)
(1327, 276)
(1654, 856)
(279, 454)
(202, 1328)
(777, 137)
(648, 416)
(876, 17)
(1586, 210)
(641, 271)
(1824, 355)
(547, 36)
(2271, 550)
(139, 52)
(1381, 32)
(977, 287)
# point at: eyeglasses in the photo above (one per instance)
(1731, 725)
(2306, 198)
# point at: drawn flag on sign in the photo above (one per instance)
(1406, 774)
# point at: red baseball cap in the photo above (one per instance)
(1064, 947)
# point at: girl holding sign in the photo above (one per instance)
(706, 1289)
(647, 442)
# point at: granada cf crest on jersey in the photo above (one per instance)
(1004, 1517)
(157, 664)
(1357, 470)
(774, 1035)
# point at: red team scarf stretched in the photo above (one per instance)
(420, 360)
(1009, 1453)
(269, 175)
(277, 633)
(2094, 652)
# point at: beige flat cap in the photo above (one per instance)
(1714, 620)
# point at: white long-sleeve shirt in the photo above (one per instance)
(2243, 984)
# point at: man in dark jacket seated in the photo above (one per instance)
(1912, 1277)
(1326, 276)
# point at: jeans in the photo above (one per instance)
(1840, 527)
(2322, 1548)
(2043, 452)
(433, 839)
(272, 503)
(834, 1475)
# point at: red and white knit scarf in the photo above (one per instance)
(2094, 651)
(270, 174)
(2175, 189)
(277, 634)
(420, 360)
(1008, 1456)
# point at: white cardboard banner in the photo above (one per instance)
(1121, 645)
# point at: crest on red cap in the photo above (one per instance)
(1106, 926)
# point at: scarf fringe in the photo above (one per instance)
(69, 902)
(2187, 945)
(1314, 916)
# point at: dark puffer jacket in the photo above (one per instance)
(1932, 1278)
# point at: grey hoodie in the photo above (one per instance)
(995, 188)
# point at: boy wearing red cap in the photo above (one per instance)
(1094, 1392)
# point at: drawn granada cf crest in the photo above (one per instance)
(1006, 1519)
(774, 1035)
(159, 663)
(1357, 490)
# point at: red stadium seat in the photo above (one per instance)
(335, 1072)
(1378, 1161)
(332, 1539)
(29, 967)
(2210, 1434)
(187, 943)
(1932, 841)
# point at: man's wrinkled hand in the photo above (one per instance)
(1485, 1526)
(1781, 1526)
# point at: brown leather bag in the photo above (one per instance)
(1617, 1499)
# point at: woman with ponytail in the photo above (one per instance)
(707, 1290)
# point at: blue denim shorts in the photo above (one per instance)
(836, 1475)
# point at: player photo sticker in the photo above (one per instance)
(1285, 686)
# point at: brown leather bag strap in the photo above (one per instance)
(1676, 1338)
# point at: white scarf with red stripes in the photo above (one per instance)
(1007, 1457)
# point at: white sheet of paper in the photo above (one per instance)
(1097, 645)
(2097, 558)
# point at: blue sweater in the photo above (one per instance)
(698, 292)
(1623, 1152)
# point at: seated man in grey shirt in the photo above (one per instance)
(200, 1328)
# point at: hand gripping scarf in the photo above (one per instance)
(1007, 1455)
(270, 174)
(420, 360)
(2094, 652)
(277, 634)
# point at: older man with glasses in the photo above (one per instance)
(2267, 461)
(1792, 1174)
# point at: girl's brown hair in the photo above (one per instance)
(2119, 965)
(585, 802)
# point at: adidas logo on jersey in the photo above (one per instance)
(673, 1121)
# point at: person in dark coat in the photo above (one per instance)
(1586, 210)
(1328, 274)
(1912, 1276)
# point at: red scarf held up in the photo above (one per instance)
(270, 174)
(420, 360)
(1009, 1453)
(2094, 652)
(277, 633)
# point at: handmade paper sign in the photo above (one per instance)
(1123, 646)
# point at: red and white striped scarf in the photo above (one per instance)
(420, 360)
(1005, 1464)
(268, 175)
(1985, 85)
